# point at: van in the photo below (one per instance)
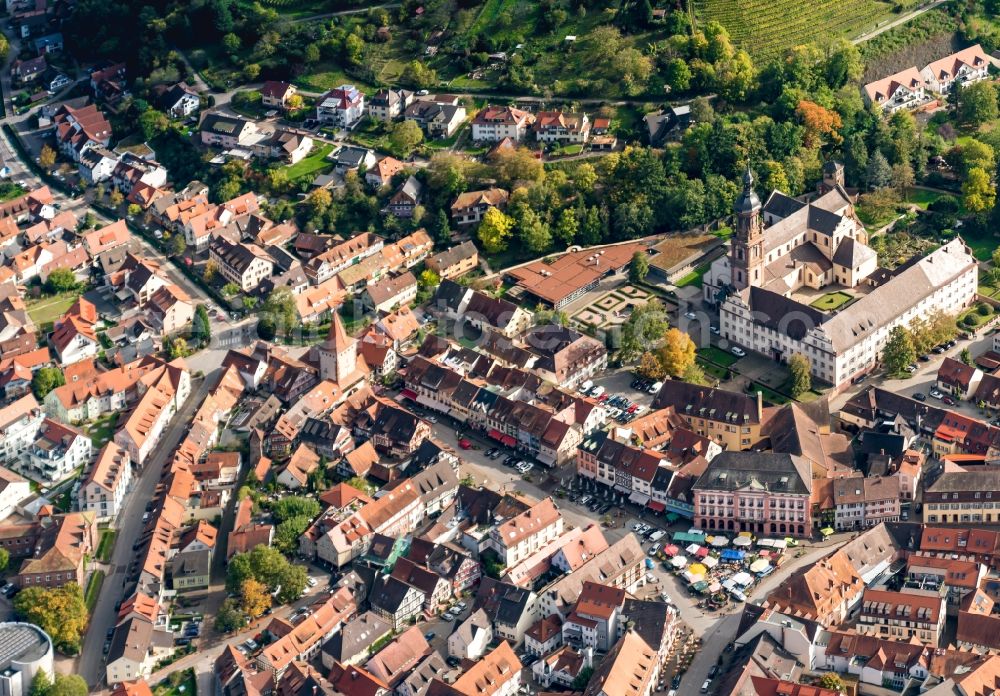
(706, 686)
(655, 387)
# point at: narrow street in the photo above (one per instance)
(130, 527)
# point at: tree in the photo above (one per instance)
(268, 566)
(819, 122)
(68, 685)
(59, 611)
(41, 684)
(677, 353)
(4, 559)
(429, 279)
(515, 166)
(404, 137)
(295, 506)
(116, 198)
(442, 230)
(494, 231)
(231, 289)
(280, 308)
(134, 209)
(978, 192)
(650, 367)
(178, 245)
(638, 267)
(318, 202)
(677, 75)
(177, 347)
(903, 179)
(832, 680)
(567, 226)
(361, 484)
(210, 271)
(45, 380)
(201, 327)
(61, 280)
(645, 327)
(965, 356)
(418, 75)
(286, 536)
(153, 123)
(978, 104)
(898, 352)
(533, 231)
(844, 64)
(295, 102)
(254, 598)
(798, 366)
(229, 618)
(582, 678)
(231, 42)
(694, 374)
(47, 157)
(879, 171)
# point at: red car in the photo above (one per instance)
(465, 444)
(602, 398)
(633, 408)
(948, 400)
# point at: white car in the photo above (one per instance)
(737, 351)
(650, 578)
(312, 582)
(657, 535)
(690, 315)
(936, 393)
(597, 392)
(654, 549)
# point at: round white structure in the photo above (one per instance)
(24, 649)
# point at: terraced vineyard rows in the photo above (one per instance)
(767, 27)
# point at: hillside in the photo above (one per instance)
(766, 27)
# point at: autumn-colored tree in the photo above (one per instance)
(295, 102)
(47, 157)
(255, 598)
(978, 192)
(211, 270)
(819, 122)
(677, 353)
(494, 230)
(116, 198)
(798, 366)
(650, 367)
(59, 611)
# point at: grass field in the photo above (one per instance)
(311, 164)
(765, 28)
(694, 277)
(93, 589)
(102, 430)
(717, 356)
(46, 310)
(831, 301)
(105, 545)
(188, 686)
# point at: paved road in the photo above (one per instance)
(130, 527)
(896, 22)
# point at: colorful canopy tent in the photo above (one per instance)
(759, 566)
(742, 541)
(720, 541)
(733, 555)
(671, 550)
(693, 577)
(692, 549)
(678, 561)
(710, 561)
(826, 531)
(697, 569)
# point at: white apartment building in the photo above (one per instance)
(523, 535)
(104, 486)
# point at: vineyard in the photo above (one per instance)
(765, 28)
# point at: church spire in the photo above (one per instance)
(337, 339)
(747, 203)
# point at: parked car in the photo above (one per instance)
(597, 391)
(948, 400)
(738, 352)
(936, 393)
(654, 549)
(919, 396)
(690, 315)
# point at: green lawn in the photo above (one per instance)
(188, 686)
(922, 199)
(982, 244)
(831, 301)
(717, 356)
(311, 164)
(45, 310)
(694, 277)
(93, 589)
(102, 429)
(106, 545)
(328, 76)
(712, 369)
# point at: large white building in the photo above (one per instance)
(788, 254)
(25, 650)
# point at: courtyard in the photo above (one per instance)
(612, 308)
(831, 301)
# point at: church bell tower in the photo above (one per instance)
(747, 261)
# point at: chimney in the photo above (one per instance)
(760, 406)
